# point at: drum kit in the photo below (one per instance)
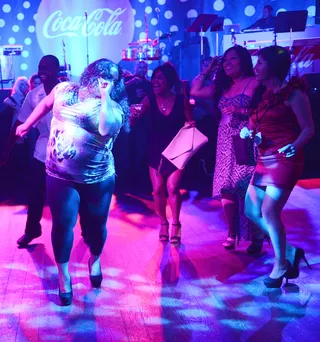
(145, 49)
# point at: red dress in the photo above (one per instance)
(279, 127)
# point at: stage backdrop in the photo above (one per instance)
(50, 26)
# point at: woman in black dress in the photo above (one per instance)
(168, 113)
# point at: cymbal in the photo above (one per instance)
(167, 35)
(145, 40)
(134, 44)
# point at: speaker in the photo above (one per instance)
(5, 118)
(4, 93)
(312, 155)
(186, 57)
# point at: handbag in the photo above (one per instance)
(243, 149)
(184, 145)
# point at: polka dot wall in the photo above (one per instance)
(17, 23)
(17, 26)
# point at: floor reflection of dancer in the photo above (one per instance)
(80, 164)
(281, 124)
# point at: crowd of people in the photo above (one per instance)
(256, 165)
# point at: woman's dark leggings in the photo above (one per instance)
(64, 200)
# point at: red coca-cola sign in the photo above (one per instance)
(105, 26)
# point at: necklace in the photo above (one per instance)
(165, 102)
(163, 107)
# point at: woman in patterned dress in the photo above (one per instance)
(80, 164)
(235, 82)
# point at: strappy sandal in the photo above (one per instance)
(230, 243)
(164, 237)
(176, 239)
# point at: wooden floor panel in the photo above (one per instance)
(156, 292)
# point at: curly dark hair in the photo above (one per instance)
(102, 68)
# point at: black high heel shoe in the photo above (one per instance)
(66, 297)
(275, 283)
(294, 272)
(256, 245)
(176, 239)
(95, 280)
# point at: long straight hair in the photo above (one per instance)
(224, 82)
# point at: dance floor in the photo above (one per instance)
(156, 292)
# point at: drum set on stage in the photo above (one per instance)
(144, 49)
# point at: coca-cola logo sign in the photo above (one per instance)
(66, 28)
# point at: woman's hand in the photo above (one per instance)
(22, 130)
(216, 61)
(289, 150)
(246, 133)
(229, 110)
(190, 123)
(105, 87)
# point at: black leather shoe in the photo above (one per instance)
(26, 239)
(95, 280)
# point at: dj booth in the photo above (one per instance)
(290, 31)
(305, 45)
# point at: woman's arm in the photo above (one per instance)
(197, 88)
(301, 108)
(111, 113)
(199, 91)
(188, 111)
(8, 101)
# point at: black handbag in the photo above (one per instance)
(243, 149)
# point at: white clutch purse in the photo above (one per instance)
(184, 145)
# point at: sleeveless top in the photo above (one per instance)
(76, 150)
(163, 128)
(239, 101)
(275, 120)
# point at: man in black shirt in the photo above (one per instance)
(137, 85)
(268, 20)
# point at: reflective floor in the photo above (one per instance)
(156, 292)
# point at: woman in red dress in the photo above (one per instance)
(281, 125)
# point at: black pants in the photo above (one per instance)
(37, 194)
(64, 202)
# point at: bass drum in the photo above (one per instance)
(129, 54)
(153, 53)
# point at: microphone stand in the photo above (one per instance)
(87, 38)
(158, 27)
